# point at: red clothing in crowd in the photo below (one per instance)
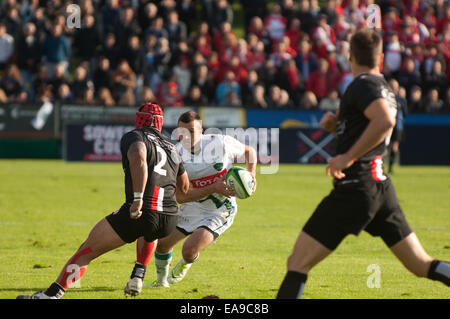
(321, 83)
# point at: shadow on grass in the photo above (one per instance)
(32, 290)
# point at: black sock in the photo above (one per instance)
(440, 271)
(138, 271)
(55, 290)
(292, 286)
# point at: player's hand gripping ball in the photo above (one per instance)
(240, 181)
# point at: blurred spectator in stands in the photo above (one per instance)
(257, 28)
(239, 70)
(391, 21)
(183, 76)
(308, 101)
(306, 16)
(29, 55)
(135, 56)
(41, 85)
(57, 49)
(176, 29)
(204, 81)
(162, 55)
(105, 97)
(169, 95)
(431, 55)
(280, 56)
(294, 34)
(110, 50)
(59, 78)
(268, 74)
(123, 84)
(128, 27)
(195, 97)
(415, 102)
(342, 56)
(437, 79)
(290, 80)
(86, 39)
(324, 33)
(409, 76)
(432, 102)
(147, 13)
(253, 8)
(110, 16)
(248, 87)
(285, 100)
(102, 75)
(342, 28)
(321, 81)
(186, 10)
(6, 46)
(64, 95)
(443, 18)
(330, 10)
(331, 102)
(157, 29)
(88, 97)
(258, 99)
(41, 23)
(306, 60)
(257, 57)
(80, 84)
(165, 7)
(288, 10)
(146, 96)
(221, 13)
(274, 98)
(275, 24)
(225, 87)
(11, 84)
(13, 22)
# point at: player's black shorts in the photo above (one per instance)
(152, 225)
(355, 206)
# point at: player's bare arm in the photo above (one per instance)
(182, 184)
(251, 160)
(194, 194)
(137, 157)
(381, 122)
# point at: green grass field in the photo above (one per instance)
(47, 209)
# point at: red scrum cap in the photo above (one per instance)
(150, 115)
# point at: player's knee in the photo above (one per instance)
(189, 252)
(295, 263)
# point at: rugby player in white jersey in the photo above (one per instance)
(208, 209)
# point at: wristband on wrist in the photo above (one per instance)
(138, 196)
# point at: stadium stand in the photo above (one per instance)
(292, 54)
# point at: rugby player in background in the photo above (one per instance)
(208, 209)
(154, 173)
(363, 198)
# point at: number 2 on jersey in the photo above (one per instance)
(159, 167)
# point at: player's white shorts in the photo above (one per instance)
(191, 218)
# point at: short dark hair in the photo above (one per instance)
(188, 117)
(365, 47)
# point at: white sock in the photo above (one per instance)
(162, 263)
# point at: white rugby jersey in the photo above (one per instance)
(213, 161)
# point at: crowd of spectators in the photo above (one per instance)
(291, 54)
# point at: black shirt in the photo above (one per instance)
(352, 122)
(164, 166)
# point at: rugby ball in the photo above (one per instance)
(241, 182)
